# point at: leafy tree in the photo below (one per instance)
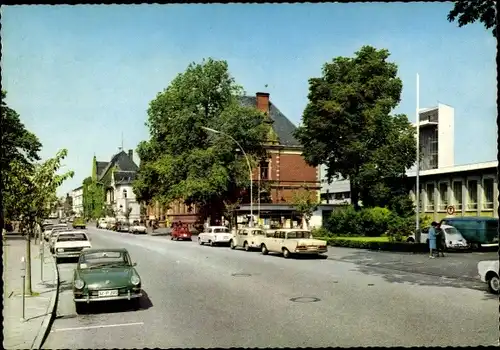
(468, 12)
(68, 205)
(182, 161)
(93, 198)
(230, 211)
(34, 189)
(305, 203)
(17, 145)
(348, 127)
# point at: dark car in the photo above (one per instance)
(105, 275)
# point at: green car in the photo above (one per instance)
(79, 223)
(105, 275)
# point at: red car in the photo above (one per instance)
(181, 233)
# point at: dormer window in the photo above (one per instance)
(124, 193)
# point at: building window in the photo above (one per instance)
(429, 190)
(264, 170)
(443, 196)
(472, 194)
(125, 193)
(488, 193)
(457, 194)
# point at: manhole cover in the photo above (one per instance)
(305, 299)
(241, 275)
(370, 284)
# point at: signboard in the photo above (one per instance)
(450, 210)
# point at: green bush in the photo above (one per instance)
(370, 222)
(373, 221)
(343, 222)
(321, 232)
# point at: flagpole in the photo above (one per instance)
(417, 188)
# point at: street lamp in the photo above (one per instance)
(248, 163)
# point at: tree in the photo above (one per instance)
(35, 194)
(468, 12)
(306, 203)
(17, 145)
(68, 205)
(230, 211)
(182, 161)
(126, 213)
(348, 127)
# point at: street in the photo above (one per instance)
(199, 296)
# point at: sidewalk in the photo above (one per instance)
(28, 334)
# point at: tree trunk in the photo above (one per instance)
(28, 289)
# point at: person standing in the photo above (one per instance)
(432, 239)
(440, 241)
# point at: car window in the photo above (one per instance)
(104, 258)
(219, 230)
(298, 234)
(257, 232)
(72, 237)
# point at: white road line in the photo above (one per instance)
(101, 326)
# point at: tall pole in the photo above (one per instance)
(417, 190)
(248, 163)
(258, 201)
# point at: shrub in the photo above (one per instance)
(343, 221)
(370, 222)
(321, 232)
(386, 246)
(374, 221)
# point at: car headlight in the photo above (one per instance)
(60, 250)
(79, 284)
(135, 280)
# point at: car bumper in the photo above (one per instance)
(308, 252)
(93, 299)
(222, 240)
(68, 255)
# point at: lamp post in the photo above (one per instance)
(248, 163)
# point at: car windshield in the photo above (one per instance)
(221, 230)
(298, 234)
(99, 259)
(258, 232)
(72, 237)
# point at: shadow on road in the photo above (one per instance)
(301, 256)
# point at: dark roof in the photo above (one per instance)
(281, 125)
(100, 167)
(122, 161)
(124, 177)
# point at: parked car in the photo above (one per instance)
(248, 238)
(480, 231)
(137, 227)
(214, 235)
(69, 244)
(79, 223)
(453, 237)
(292, 241)
(47, 230)
(105, 275)
(122, 226)
(53, 234)
(102, 223)
(488, 272)
(180, 234)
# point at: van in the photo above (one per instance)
(479, 231)
(248, 238)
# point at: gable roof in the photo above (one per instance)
(281, 125)
(122, 161)
(100, 167)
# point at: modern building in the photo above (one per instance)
(77, 196)
(279, 176)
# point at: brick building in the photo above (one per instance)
(276, 179)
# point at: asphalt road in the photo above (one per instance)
(194, 299)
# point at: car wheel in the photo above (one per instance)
(80, 308)
(286, 253)
(199, 241)
(246, 246)
(410, 240)
(210, 243)
(231, 244)
(493, 284)
(171, 238)
(264, 249)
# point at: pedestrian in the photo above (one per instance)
(440, 241)
(432, 239)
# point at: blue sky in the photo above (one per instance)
(80, 76)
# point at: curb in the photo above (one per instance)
(49, 317)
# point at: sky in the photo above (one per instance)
(82, 76)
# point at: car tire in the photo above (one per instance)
(231, 244)
(410, 240)
(171, 238)
(211, 243)
(286, 253)
(264, 250)
(80, 308)
(493, 284)
(246, 246)
(199, 241)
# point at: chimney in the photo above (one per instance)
(263, 102)
(131, 154)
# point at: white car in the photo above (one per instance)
(488, 272)
(137, 228)
(453, 237)
(213, 235)
(292, 241)
(69, 244)
(48, 233)
(248, 238)
(102, 223)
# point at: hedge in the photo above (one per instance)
(386, 246)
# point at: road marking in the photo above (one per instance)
(101, 326)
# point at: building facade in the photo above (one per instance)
(278, 178)
(77, 196)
